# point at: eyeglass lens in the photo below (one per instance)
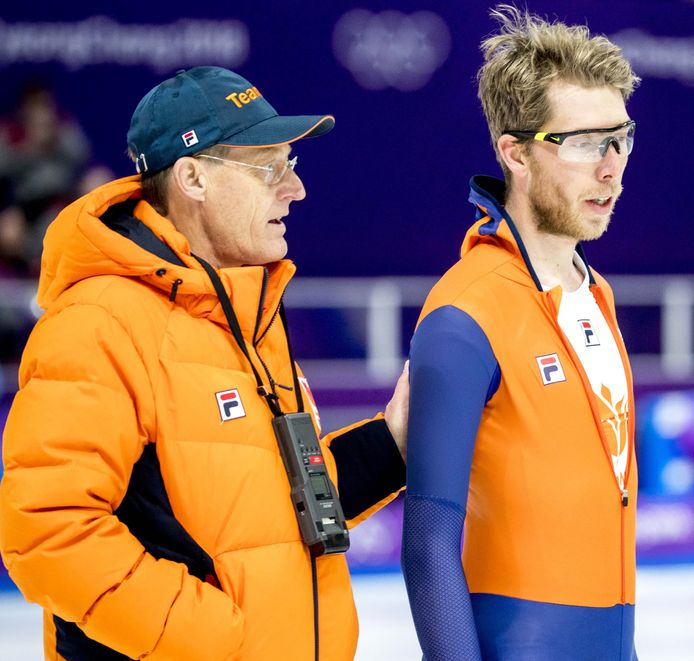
(279, 170)
(592, 147)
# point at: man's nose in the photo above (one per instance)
(611, 141)
(291, 187)
(613, 161)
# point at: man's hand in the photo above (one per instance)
(397, 410)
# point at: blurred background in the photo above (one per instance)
(385, 215)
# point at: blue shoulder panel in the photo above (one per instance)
(453, 372)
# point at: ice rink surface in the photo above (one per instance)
(664, 619)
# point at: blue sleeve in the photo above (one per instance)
(453, 373)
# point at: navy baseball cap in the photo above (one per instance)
(208, 106)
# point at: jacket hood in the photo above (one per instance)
(494, 225)
(80, 244)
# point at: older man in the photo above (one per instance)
(146, 505)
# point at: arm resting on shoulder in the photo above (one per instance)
(369, 457)
(370, 468)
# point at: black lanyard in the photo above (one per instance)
(269, 395)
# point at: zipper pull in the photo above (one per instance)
(625, 497)
(274, 384)
(264, 392)
(174, 289)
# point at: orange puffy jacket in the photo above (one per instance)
(129, 510)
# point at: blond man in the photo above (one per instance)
(521, 418)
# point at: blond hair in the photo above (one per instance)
(527, 55)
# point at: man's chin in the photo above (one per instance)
(277, 252)
(594, 228)
(588, 230)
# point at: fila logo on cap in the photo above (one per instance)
(190, 138)
(230, 405)
(589, 334)
(550, 369)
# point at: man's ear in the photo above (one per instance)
(189, 177)
(513, 153)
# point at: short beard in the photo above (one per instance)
(554, 215)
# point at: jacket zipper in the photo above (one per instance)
(623, 491)
(257, 340)
(272, 321)
(622, 352)
(259, 314)
(255, 331)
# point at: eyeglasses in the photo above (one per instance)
(586, 145)
(274, 173)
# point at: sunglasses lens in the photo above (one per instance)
(591, 147)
